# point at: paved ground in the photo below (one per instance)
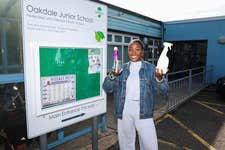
(198, 124)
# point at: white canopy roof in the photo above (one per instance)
(173, 10)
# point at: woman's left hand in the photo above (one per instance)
(159, 74)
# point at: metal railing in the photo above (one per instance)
(183, 85)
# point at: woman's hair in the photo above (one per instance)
(138, 41)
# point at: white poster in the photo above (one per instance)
(57, 89)
(54, 101)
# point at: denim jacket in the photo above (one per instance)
(149, 86)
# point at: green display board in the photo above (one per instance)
(73, 61)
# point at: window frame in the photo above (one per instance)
(122, 43)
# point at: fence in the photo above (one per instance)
(183, 85)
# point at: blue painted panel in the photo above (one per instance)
(125, 15)
(122, 21)
(209, 30)
(133, 28)
(11, 78)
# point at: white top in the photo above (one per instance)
(133, 82)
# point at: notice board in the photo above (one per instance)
(69, 74)
(64, 47)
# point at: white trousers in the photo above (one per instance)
(131, 123)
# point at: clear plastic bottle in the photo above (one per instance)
(163, 60)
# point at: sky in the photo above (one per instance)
(173, 10)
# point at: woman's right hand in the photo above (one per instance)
(118, 72)
(112, 74)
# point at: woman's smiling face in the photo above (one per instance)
(135, 51)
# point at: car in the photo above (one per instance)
(220, 86)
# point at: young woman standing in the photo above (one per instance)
(134, 88)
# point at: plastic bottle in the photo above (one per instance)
(116, 62)
(163, 60)
(115, 53)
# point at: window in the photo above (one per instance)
(156, 43)
(110, 49)
(125, 54)
(150, 42)
(187, 54)
(1, 49)
(13, 45)
(152, 52)
(127, 39)
(10, 37)
(118, 38)
(109, 37)
(121, 41)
